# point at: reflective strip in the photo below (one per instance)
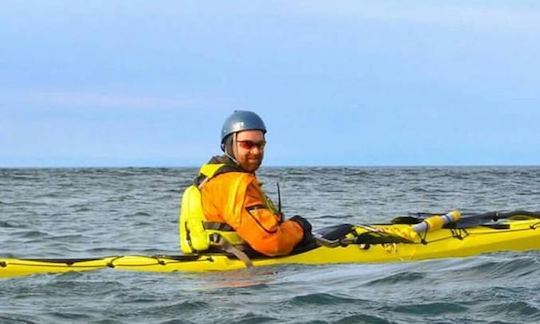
(255, 207)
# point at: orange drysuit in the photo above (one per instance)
(237, 199)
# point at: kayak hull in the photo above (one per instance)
(509, 235)
(441, 244)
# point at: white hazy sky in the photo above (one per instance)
(148, 83)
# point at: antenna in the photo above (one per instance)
(278, 197)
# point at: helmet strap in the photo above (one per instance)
(232, 146)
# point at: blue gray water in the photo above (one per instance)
(99, 212)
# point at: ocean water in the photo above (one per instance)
(91, 212)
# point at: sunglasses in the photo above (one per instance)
(248, 145)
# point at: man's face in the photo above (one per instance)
(249, 149)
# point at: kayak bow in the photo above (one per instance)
(518, 231)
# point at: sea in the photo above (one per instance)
(91, 212)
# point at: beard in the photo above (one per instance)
(251, 164)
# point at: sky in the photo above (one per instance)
(338, 83)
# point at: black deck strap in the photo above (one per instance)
(181, 257)
(335, 236)
(469, 219)
(519, 213)
(301, 248)
(423, 237)
(335, 232)
(68, 262)
(497, 226)
(493, 216)
(158, 259)
(379, 238)
(409, 220)
(110, 264)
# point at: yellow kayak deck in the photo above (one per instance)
(517, 234)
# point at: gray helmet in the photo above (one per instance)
(241, 120)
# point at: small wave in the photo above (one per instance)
(193, 310)
(7, 224)
(27, 203)
(500, 265)
(82, 210)
(67, 237)
(255, 318)
(139, 214)
(16, 177)
(321, 299)
(429, 308)
(52, 194)
(32, 235)
(120, 198)
(144, 224)
(109, 251)
(69, 316)
(362, 318)
(181, 306)
(83, 283)
(520, 309)
(17, 318)
(397, 278)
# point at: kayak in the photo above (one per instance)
(345, 243)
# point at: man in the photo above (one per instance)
(227, 208)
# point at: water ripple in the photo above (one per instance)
(85, 212)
